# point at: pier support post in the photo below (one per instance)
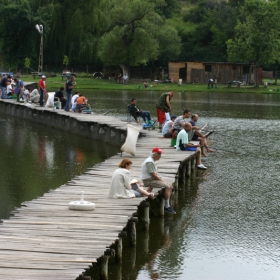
(180, 171)
(145, 205)
(131, 229)
(176, 183)
(103, 263)
(184, 172)
(188, 173)
(161, 203)
(82, 277)
(119, 247)
(193, 163)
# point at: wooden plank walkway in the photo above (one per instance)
(46, 240)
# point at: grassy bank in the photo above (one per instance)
(90, 83)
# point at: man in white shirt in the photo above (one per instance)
(167, 127)
(151, 178)
(34, 96)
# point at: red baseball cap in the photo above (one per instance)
(157, 150)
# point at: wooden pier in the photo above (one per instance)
(45, 240)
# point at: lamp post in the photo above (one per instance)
(40, 30)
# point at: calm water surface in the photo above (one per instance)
(227, 220)
(35, 159)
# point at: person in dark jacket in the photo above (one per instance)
(60, 96)
(135, 112)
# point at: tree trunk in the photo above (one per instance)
(256, 78)
(126, 70)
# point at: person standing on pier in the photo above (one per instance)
(151, 178)
(164, 106)
(3, 85)
(43, 91)
(68, 88)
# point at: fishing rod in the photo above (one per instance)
(241, 140)
(224, 150)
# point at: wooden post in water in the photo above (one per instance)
(131, 230)
(193, 163)
(180, 171)
(145, 205)
(103, 263)
(161, 203)
(184, 171)
(176, 183)
(188, 173)
(119, 247)
(82, 277)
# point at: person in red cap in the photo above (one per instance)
(151, 178)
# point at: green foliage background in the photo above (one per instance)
(135, 32)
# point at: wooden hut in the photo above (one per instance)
(201, 72)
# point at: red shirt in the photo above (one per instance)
(42, 84)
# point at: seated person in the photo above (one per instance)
(167, 127)
(198, 136)
(135, 112)
(26, 94)
(182, 144)
(145, 84)
(34, 96)
(180, 121)
(151, 178)
(10, 89)
(73, 100)
(60, 96)
(121, 184)
(81, 103)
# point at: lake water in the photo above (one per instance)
(227, 220)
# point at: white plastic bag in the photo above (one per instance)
(129, 145)
(50, 101)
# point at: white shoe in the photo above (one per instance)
(201, 166)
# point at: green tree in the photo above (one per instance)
(65, 60)
(256, 35)
(27, 63)
(212, 25)
(17, 29)
(74, 28)
(134, 34)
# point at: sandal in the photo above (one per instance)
(150, 188)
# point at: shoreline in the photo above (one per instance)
(53, 83)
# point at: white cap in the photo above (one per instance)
(134, 181)
(43, 77)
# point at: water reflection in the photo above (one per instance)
(34, 160)
(227, 221)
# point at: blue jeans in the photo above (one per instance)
(68, 102)
(146, 116)
(3, 90)
(41, 97)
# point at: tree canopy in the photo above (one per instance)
(256, 35)
(138, 32)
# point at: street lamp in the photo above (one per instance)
(40, 30)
